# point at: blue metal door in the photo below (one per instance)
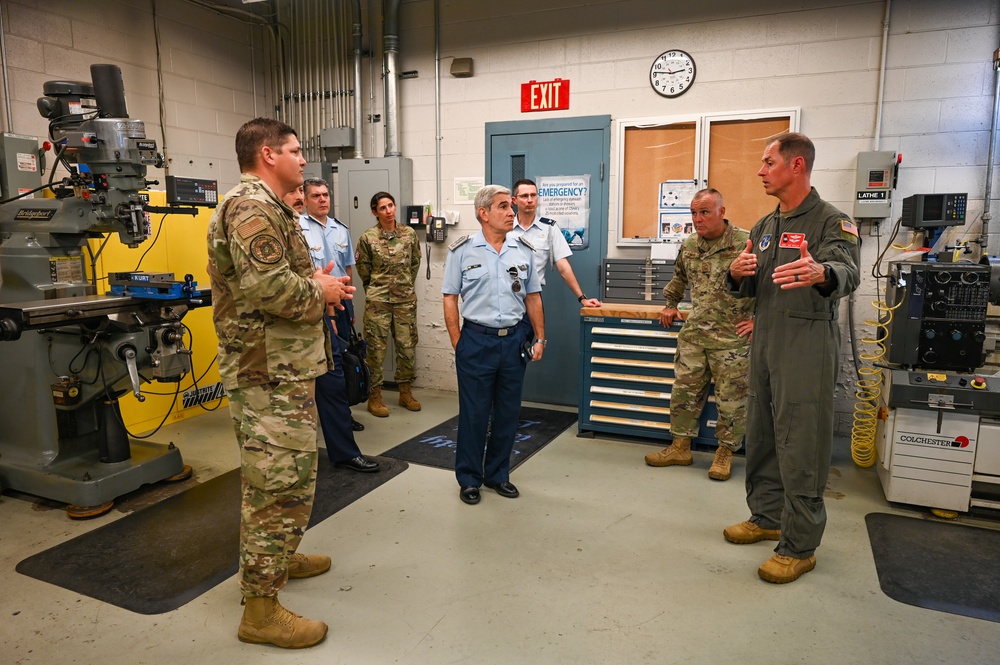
(564, 147)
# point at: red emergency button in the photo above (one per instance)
(978, 383)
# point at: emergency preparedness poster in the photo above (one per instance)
(566, 199)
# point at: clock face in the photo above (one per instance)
(672, 73)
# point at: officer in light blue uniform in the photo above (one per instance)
(329, 240)
(497, 281)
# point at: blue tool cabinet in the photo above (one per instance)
(627, 371)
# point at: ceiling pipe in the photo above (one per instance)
(391, 46)
(359, 151)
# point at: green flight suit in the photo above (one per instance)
(793, 370)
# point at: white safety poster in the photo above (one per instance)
(566, 199)
(675, 208)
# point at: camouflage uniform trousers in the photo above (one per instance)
(275, 427)
(383, 319)
(694, 367)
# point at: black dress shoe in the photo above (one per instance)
(356, 426)
(470, 495)
(505, 489)
(358, 463)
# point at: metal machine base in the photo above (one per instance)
(85, 481)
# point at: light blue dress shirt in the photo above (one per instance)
(330, 242)
(482, 277)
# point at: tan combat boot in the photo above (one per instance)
(375, 405)
(677, 453)
(265, 621)
(301, 566)
(721, 467)
(407, 399)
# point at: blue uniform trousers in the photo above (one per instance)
(331, 403)
(490, 378)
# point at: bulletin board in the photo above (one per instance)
(734, 151)
(653, 154)
(721, 150)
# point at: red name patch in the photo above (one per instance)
(792, 240)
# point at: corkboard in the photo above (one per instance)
(652, 155)
(734, 151)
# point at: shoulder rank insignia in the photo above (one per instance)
(458, 243)
(546, 220)
(524, 242)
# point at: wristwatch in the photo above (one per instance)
(583, 296)
(540, 341)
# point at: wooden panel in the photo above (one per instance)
(652, 155)
(734, 151)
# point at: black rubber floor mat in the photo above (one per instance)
(436, 446)
(939, 566)
(159, 558)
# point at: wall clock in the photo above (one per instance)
(672, 73)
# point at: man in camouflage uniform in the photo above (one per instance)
(387, 260)
(714, 342)
(268, 304)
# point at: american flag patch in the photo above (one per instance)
(251, 227)
(848, 227)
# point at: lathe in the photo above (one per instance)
(938, 437)
(67, 352)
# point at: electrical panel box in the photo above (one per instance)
(20, 167)
(876, 178)
(358, 181)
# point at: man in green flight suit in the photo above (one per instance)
(800, 261)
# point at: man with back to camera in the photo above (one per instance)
(268, 303)
(799, 262)
(329, 240)
(546, 237)
(496, 278)
(714, 342)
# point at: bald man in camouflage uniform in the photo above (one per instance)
(714, 342)
(387, 260)
(268, 304)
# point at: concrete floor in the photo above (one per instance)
(602, 560)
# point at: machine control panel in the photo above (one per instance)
(940, 322)
(192, 191)
(966, 393)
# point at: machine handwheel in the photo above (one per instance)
(185, 473)
(87, 512)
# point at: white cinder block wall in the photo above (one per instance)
(820, 56)
(212, 67)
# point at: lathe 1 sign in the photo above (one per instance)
(545, 96)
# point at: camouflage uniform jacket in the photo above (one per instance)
(268, 312)
(703, 265)
(388, 263)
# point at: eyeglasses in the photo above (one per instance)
(516, 285)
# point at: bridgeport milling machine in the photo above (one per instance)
(61, 431)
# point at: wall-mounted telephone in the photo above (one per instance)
(437, 229)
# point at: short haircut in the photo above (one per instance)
(522, 181)
(795, 144)
(314, 182)
(379, 196)
(257, 133)
(485, 196)
(710, 191)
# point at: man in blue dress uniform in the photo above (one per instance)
(498, 283)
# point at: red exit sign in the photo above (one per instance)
(545, 96)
